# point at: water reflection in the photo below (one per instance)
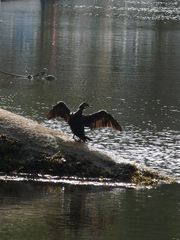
(51, 212)
(121, 56)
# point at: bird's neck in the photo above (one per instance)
(79, 111)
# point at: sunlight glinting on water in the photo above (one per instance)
(118, 55)
(159, 150)
(110, 64)
(69, 180)
(145, 10)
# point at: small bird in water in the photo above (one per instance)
(43, 75)
(77, 121)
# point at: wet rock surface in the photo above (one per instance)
(28, 147)
(12, 160)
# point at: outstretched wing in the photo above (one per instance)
(101, 119)
(59, 110)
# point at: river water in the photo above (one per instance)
(122, 56)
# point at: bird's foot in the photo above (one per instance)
(77, 139)
(81, 140)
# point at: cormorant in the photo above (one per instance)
(77, 121)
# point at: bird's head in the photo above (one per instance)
(83, 106)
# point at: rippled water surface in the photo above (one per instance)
(122, 56)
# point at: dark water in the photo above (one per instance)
(38, 211)
(122, 56)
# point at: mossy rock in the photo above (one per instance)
(13, 159)
(124, 172)
(10, 151)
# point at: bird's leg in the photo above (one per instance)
(75, 139)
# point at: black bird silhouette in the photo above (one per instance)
(77, 121)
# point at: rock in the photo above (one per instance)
(28, 147)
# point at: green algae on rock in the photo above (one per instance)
(12, 151)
